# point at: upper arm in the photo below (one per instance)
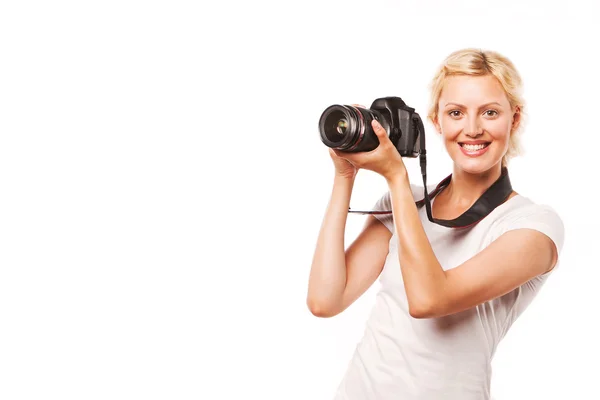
(365, 259)
(511, 260)
(528, 244)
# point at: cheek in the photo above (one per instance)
(499, 129)
(450, 128)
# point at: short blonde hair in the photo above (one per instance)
(477, 62)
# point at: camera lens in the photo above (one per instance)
(336, 126)
(341, 126)
(348, 128)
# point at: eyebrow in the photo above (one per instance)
(483, 106)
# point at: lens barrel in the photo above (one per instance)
(348, 128)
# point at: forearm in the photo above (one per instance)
(328, 271)
(421, 271)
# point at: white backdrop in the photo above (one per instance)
(162, 184)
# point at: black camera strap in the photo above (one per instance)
(495, 195)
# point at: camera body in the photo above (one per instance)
(348, 128)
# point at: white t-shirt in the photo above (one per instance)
(401, 357)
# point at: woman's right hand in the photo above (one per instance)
(343, 167)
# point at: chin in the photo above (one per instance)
(476, 165)
(474, 168)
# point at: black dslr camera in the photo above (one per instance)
(348, 128)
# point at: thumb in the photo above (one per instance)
(379, 130)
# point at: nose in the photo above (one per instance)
(473, 128)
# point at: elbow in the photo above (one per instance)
(321, 309)
(422, 310)
(431, 305)
(419, 313)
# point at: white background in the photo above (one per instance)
(162, 184)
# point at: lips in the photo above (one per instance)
(476, 152)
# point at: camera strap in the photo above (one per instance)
(495, 195)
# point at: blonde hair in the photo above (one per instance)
(477, 62)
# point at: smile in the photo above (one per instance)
(474, 150)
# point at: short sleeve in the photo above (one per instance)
(385, 204)
(542, 218)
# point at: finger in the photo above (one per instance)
(359, 105)
(379, 130)
(345, 155)
(331, 152)
(338, 153)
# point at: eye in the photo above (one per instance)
(491, 113)
(454, 113)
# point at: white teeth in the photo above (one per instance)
(471, 147)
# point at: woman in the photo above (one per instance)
(448, 296)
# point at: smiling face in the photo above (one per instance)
(475, 120)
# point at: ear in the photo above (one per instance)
(436, 124)
(516, 121)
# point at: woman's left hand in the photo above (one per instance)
(384, 159)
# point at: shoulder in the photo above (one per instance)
(523, 213)
(418, 192)
(385, 204)
(385, 201)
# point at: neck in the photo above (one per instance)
(465, 188)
